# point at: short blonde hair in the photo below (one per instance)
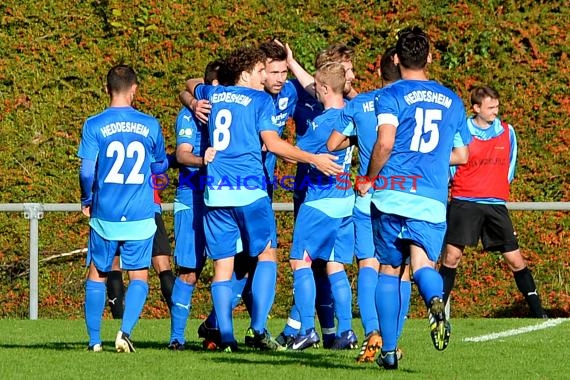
(333, 75)
(334, 53)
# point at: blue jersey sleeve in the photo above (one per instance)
(386, 108)
(458, 141)
(89, 146)
(86, 180)
(346, 122)
(159, 152)
(203, 91)
(266, 115)
(514, 151)
(463, 131)
(186, 128)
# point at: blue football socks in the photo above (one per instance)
(367, 279)
(135, 297)
(95, 296)
(325, 307)
(342, 296)
(388, 308)
(263, 290)
(180, 309)
(405, 296)
(429, 282)
(304, 293)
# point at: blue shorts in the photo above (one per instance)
(322, 237)
(363, 242)
(298, 199)
(190, 248)
(226, 228)
(393, 235)
(133, 254)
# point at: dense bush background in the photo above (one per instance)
(55, 55)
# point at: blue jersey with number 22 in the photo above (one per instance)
(123, 142)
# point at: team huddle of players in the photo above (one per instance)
(230, 128)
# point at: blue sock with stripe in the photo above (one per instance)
(237, 288)
(293, 325)
(304, 294)
(181, 306)
(325, 307)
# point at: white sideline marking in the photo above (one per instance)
(521, 330)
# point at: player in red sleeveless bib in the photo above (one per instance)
(479, 192)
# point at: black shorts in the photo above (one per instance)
(160, 244)
(468, 221)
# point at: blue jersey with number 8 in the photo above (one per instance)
(238, 115)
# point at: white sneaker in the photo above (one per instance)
(123, 343)
(95, 348)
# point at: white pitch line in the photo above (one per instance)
(521, 330)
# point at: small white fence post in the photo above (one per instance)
(33, 212)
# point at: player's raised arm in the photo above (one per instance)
(200, 108)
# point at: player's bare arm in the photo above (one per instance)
(337, 141)
(459, 155)
(323, 162)
(200, 108)
(185, 156)
(305, 79)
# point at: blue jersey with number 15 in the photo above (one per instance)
(427, 116)
(236, 176)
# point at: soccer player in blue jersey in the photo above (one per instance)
(323, 228)
(238, 213)
(284, 98)
(418, 121)
(308, 107)
(192, 154)
(359, 119)
(118, 147)
(479, 194)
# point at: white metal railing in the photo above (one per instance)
(35, 211)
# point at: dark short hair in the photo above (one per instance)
(413, 48)
(273, 51)
(242, 60)
(481, 92)
(388, 69)
(120, 78)
(211, 73)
